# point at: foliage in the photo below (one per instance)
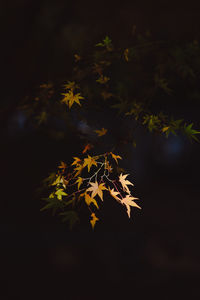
(87, 180)
(139, 82)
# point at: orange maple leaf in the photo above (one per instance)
(87, 148)
(115, 157)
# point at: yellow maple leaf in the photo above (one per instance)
(165, 128)
(126, 54)
(79, 181)
(94, 220)
(79, 169)
(124, 182)
(89, 161)
(128, 201)
(70, 98)
(70, 85)
(115, 157)
(76, 161)
(97, 189)
(90, 200)
(101, 132)
(59, 193)
(60, 180)
(114, 194)
(57, 181)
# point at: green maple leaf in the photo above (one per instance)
(71, 217)
(190, 132)
(50, 179)
(107, 43)
(53, 203)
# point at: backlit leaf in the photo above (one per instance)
(89, 161)
(97, 189)
(128, 201)
(70, 98)
(115, 194)
(79, 181)
(124, 182)
(90, 200)
(76, 161)
(59, 193)
(115, 157)
(87, 148)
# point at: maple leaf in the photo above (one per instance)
(60, 180)
(79, 169)
(64, 182)
(70, 98)
(128, 201)
(42, 117)
(79, 181)
(101, 132)
(90, 200)
(114, 194)
(89, 161)
(87, 148)
(59, 193)
(57, 181)
(76, 161)
(124, 182)
(62, 166)
(70, 216)
(70, 85)
(77, 57)
(190, 132)
(107, 43)
(46, 86)
(94, 220)
(164, 129)
(115, 157)
(97, 69)
(103, 79)
(126, 54)
(96, 189)
(108, 166)
(53, 203)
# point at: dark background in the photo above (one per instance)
(156, 253)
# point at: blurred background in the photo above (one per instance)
(156, 253)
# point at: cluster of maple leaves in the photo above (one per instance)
(87, 180)
(92, 179)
